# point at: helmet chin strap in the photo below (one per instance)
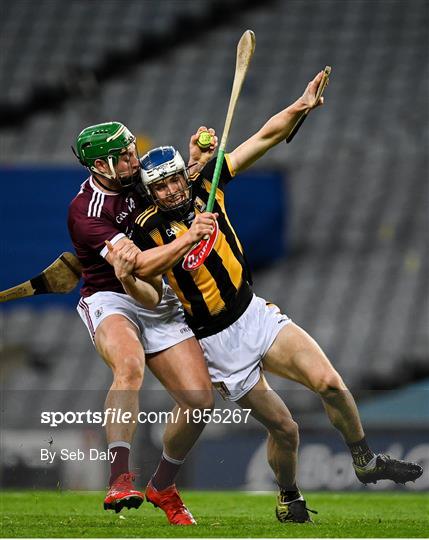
(121, 187)
(112, 176)
(112, 168)
(100, 183)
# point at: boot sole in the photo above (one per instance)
(127, 502)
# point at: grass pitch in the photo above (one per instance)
(219, 514)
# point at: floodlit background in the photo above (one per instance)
(335, 224)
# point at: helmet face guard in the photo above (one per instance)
(164, 166)
(107, 142)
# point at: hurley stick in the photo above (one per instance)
(245, 50)
(61, 276)
(322, 85)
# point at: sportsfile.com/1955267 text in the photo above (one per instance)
(119, 416)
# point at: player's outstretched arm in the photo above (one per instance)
(276, 129)
(122, 257)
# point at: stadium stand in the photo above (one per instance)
(357, 274)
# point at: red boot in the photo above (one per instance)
(169, 500)
(122, 494)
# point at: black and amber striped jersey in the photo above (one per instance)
(218, 292)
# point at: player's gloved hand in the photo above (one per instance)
(308, 98)
(202, 226)
(198, 157)
(123, 257)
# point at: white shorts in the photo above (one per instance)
(234, 355)
(160, 328)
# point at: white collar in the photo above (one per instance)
(98, 190)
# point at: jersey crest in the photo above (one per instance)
(199, 253)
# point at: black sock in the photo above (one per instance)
(290, 493)
(361, 452)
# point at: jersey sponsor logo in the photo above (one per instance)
(199, 253)
(173, 230)
(120, 218)
(98, 312)
(129, 201)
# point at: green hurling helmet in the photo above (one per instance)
(103, 141)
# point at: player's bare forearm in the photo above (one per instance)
(122, 257)
(147, 294)
(275, 130)
(272, 132)
(158, 260)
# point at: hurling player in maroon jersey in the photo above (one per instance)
(127, 332)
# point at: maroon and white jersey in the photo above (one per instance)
(95, 216)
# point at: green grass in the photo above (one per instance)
(219, 514)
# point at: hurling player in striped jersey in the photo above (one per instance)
(241, 334)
